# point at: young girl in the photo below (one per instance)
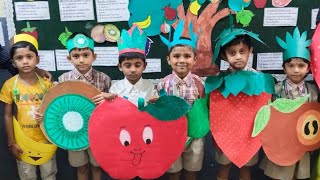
(296, 65)
(25, 91)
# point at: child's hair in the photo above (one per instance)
(182, 45)
(131, 55)
(244, 39)
(22, 44)
(74, 35)
(289, 60)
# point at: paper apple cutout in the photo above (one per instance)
(128, 143)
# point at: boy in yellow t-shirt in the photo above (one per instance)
(22, 95)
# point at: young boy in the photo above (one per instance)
(22, 95)
(296, 65)
(81, 55)
(236, 52)
(188, 86)
(132, 62)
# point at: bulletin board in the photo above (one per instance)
(49, 31)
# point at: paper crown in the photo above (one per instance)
(295, 45)
(133, 40)
(178, 34)
(27, 38)
(80, 41)
(230, 34)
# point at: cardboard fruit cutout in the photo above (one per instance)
(289, 131)
(35, 153)
(128, 143)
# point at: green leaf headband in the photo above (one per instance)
(80, 41)
(295, 45)
(177, 37)
(230, 34)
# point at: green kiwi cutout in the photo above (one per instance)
(66, 121)
(111, 32)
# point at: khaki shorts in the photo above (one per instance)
(301, 169)
(224, 160)
(81, 158)
(191, 158)
(48, 170)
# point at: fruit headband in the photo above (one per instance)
(133, 40)
(27, 38)
(80, 41)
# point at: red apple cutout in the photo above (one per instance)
(128, 143)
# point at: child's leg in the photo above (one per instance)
(223, 171)
(174, 176)
(26, 171)
(48, 170)
(245, 173)
(95, 169)
(191, 175)
(193, 158)
(80, 160)
(174, 171)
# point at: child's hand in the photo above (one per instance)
(38, 115)
(44, 74)
(101, 97)
(15, 151)
(153, 99)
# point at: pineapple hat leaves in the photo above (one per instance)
(295, 46)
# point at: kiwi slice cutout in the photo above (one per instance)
(66, 121)
(111, 32)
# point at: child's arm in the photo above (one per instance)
(13, 147)
(101, 97)
(44, 74)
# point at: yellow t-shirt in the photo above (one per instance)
(28, 100)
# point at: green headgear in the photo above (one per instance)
(228, 35)
(80, 41)
(133, 40)
(295, 46)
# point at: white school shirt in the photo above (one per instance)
(142, 89)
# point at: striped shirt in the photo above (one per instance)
(98, 79)
(185, 88)
(295, 90)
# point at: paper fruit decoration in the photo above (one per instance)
(260, 3)
(315, 55)
(288, 129)
(235, 98)
(244, 17)
(34, 152)
(111, 32)
(97, 34)
(280, 3)
(67, 108)
(165, 28)
(169, 13)
(30, 30)
(128, 143)
(63, 37)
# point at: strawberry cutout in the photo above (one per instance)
(235, 98)
(315, 55)
(30, 30)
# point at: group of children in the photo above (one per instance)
(181, 82)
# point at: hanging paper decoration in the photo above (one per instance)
(97, 34)
(237, 5)
(280, 3)
(67, 108)
(30, 30)
(129, 143)
(235, 98)
(244, 17)
(288, 129)
(315, 55)
(111, 32)
(260, 3)
(165, 28)
(63, 37)
(34, 152)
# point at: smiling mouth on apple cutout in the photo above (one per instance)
(137, 155)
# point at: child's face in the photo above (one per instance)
(132, 69)
(181, 59)
(296, 70)
(82, 59)
(25, 60)
(238, 55)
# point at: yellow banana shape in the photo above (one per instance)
(143, 24)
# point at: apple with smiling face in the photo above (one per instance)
(128, 143)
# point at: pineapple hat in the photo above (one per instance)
(295, 46)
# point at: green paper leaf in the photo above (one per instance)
(198, 119)
(236, 82)
(212, 83)
(261, 120)
(289, 105)
(167, 108)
